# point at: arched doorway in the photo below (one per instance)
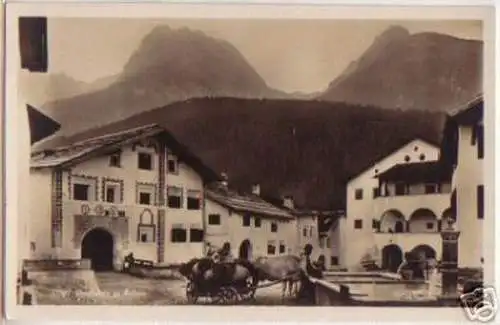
(425, 252)
(245, 250)
(97, 246)
(392, 257)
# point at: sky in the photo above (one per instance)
(291, 55)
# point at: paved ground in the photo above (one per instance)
(123, 289)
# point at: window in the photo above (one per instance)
(145, 193)
(246, 220)
(178, 234)
(376, 192)
(375, 224)
(429, 225)
(258, 222)
(145, 198)
(334, 260)
(311, 229)
(172, 165)
(430, 188)
(214, 219)
(115, 160)
(282, 247)
(274, 227)
(407, 158)
(480, 142)
(422, 157)
(174, 197)
(480, 202)
(193, 200)
(358, 194)
(196, 235)
(145, 233)
(81, 192)
(304, 231)
(145, 161)
(111, 193)
(358, 224)
(400, 189)
(271, 248)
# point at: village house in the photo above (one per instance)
(463, 149)
(252, 226)
(360, 234)
(413, 203)
(135, 191)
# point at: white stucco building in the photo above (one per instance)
(365, 205)
(137, 190)
(252, 226)
(414, 201)
(464, 149)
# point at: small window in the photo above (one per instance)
(179, 235)
(172, 165)
(334, 260)
(271, 248)
(258, 222)
(429, 225)
(480, 202)
(174, 197)
(430, 188)
(358, 194)
(81, 192)
(415, 148)
(358, 224)
(304, 232)
(193, 200)
(375, 224)
(111, 193)
(400, 189)
(145, 198)
(195, 235)
(422, 157)
(480, 142)
(145, 161)
(376, 192)
(274, 227)
(115, 160)
(407, 158)
(282, 248)
(214, 219)
(246, 220)
(145, 233)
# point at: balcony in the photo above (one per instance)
(106, 209)
(407, 205)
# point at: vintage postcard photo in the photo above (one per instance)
(209, 156)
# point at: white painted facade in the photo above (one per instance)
(258, 236)
(122, 216)
(363, 206)
(467, 177)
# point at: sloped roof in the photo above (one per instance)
(419, 172)
(242, 202)
(470, 112)
(69, 155)
(370, 163)
(41, 125)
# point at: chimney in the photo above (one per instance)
(256, 189)
(288, 202)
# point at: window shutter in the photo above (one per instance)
(480, 202)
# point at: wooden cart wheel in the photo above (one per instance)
(232, 296)
(191, 295)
